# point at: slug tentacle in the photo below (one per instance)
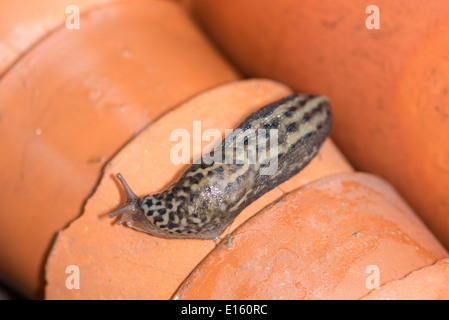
(209, 195)
(132, 206)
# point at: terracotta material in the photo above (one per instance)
(24, 23)
(428, 283)
(389, 87)
(119, 262)
(72, 101)
(318, 242)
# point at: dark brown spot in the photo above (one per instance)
(171, 225)
(292, 127)
(194, 167)
(290, 111)
(308, 135)
(158, 196)
(180, 211)
(199, 176)
(158, 219)
(305, 117)
(150, 213)
(228, 188)
(220, 169)
(193, 180)
(273, 125)
(318, 109)
(239, 179)
(266, 112)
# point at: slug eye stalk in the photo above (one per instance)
(132, 202)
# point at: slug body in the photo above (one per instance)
(209, 195)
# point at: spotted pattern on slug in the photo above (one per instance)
(209, 195)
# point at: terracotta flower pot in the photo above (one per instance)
(24, 23)
(119, 262)
(429, 283)
(389, 86)
(339, 237)
(72, 101)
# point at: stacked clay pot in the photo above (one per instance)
(78, 106)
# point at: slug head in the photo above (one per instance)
(131, 212)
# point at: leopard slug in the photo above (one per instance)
(210, 194)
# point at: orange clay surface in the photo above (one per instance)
(389, 87)
(25, 22)
(320, 241)
(120, 262)
(72, 101)
(428, 283)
